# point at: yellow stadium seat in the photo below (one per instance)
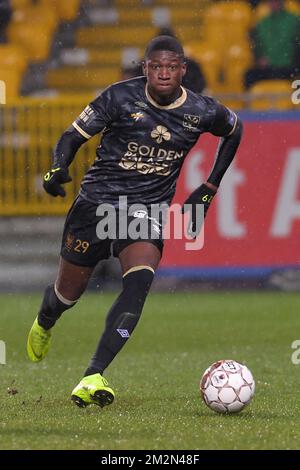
(76, 77)
(293, 6)
(226, 13)
(20, 3)
(127, 3)
(239, 53)
(234, 77)
(135, 15)
(36, 15)
(13, 57)
(112, 36)
(221, 38)
(240, 12)
(187, 15)
(227, 23)
(12, 79)
(178, 3)
(67, 9)
(261, 11)
(104, 56)
(187, 34)
(271, 94)
(209, 59)
(35, 40)
(238, 60)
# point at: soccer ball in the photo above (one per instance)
(227, 386)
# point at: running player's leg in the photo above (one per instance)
(138, 261)
(70, 284)
(63, 295)
(80, 251)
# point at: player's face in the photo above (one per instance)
(164, 71)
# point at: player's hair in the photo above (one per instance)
(164, 43)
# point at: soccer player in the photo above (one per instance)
(149, 124)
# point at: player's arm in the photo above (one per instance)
(227, 125)
(93, 119)
(64, 153)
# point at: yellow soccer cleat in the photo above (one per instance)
(38, 342)
(93, 390)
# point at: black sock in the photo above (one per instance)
(122, 318)
(51, 308)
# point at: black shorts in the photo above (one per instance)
(88, 239)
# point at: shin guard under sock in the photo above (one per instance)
(122, 317)
(52, 308)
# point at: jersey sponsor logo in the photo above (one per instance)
(160, 133)
(146, 168)
(134, 149)
(147, 160)
(191, 122)
(137, 116)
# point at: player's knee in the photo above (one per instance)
(65, 297)
(68, 292)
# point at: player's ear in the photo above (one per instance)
(183, 68)
(144, 67)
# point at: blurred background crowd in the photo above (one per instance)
(59, 47)
(57, 55)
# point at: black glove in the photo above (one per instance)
(202, 195)
(53, 180)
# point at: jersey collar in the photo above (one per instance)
(175, 104)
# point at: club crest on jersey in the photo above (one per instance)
(69, 241)
(140, 104)
(160, 133)
(137, 116)
(191, 122)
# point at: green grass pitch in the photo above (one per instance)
(156, 376)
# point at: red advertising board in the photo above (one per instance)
(255, 218)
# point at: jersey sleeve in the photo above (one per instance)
(221, 121)
(97, 115)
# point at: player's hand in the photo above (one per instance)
(53, 180)
(202, 195)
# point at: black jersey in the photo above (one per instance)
(144, 144)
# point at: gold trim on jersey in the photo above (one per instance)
(175, 104)
(81, 131)
(233, 129)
